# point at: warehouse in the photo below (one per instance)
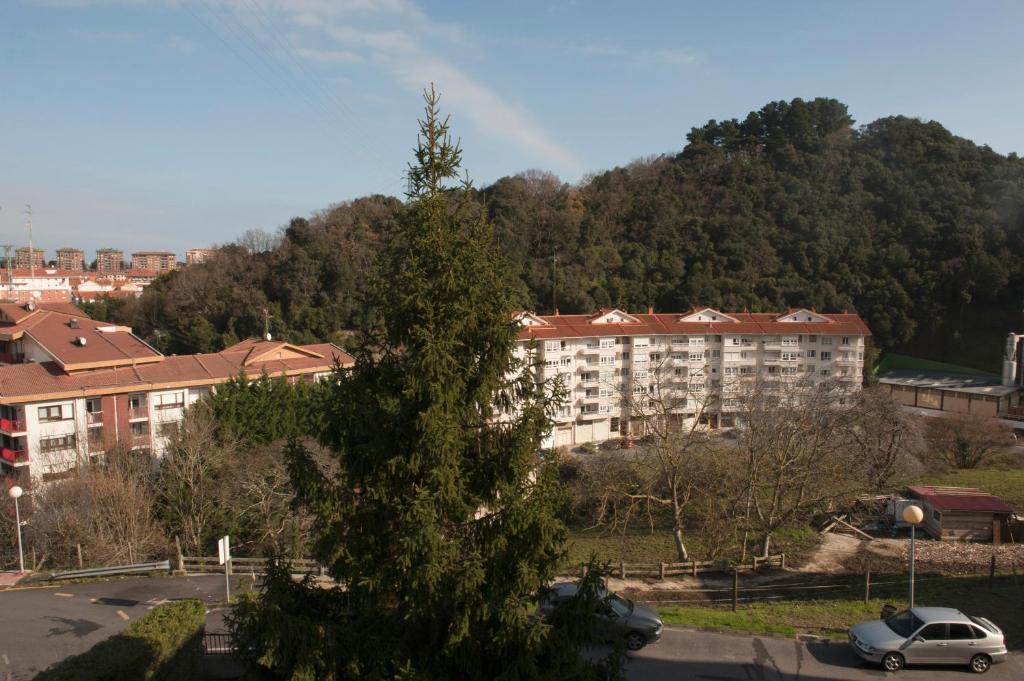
(963, 513)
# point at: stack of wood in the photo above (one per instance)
(840, 523)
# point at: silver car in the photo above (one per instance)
(618, 617)
(929, 636)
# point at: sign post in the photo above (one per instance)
(224, 557)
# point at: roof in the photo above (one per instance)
(932, 614)
(20, 383)
(753, 323)
(160, 253)
(959, 499)
(976, 384)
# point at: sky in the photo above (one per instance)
(173, 124)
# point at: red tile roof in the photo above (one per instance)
(960, 499)
(579, 326)
(20, 383)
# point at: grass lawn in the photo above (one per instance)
(895, 361)
(1008, 485)
(833, 616)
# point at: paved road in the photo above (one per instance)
(41, 626)
(705, 656)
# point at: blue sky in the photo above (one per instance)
(168, 124)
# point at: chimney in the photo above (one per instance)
(73, 322)
(650, 309)
(1011, 359)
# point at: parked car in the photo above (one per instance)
(929, 636)
(619, 618)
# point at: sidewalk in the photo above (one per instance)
(9, 579)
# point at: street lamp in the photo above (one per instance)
(16, 493)
(912, 515)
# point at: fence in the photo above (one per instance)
(693, 568)
(245, 565)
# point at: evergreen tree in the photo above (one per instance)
(440, 522)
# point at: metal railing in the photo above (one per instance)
(218, 644)
(247, 565)
(163, 565)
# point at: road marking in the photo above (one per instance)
(6, 661)
(93, 600)
(123, 615)
(64, 595)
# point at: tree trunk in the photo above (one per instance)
(680, 546)
(767, 543)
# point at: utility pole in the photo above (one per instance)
(10, 272)
(31, 251)
(266, 324)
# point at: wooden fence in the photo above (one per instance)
(243, 566)
(623, 570)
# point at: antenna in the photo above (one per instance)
(554, 284)
(10, 273)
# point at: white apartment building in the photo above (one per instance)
(610, 361)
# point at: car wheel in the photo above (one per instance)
(635, 640)
(892, 662)
(980, 664)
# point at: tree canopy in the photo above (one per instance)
(793, 205)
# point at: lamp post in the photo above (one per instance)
(913, 515)
(16, 493)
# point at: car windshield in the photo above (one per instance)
(619, 605)
(904, 623)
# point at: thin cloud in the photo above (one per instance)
(328, 56)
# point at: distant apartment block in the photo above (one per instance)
(70, 259)
(109, 260)
(194, 256)
(72, 388)
(26, 259)
(41, 285)
(612, 361)
(160, 261)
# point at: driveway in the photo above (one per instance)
(42, 625)
(707, 656)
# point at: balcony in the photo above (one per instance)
(96, 446)
(94, 418)
(848, 362)
(13, 425)
(138, 413)
(140, 441)
(14, 456)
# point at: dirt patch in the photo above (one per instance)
(842, 554)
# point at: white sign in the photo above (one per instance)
(223, 550)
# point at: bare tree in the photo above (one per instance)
(966, 440)
(888, 440)
(258, 241)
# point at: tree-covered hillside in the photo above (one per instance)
(917, 230)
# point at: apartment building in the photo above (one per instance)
(609, 361)
(26, 258)
(70, 259)
(194, 256)
(39, 285)
(71, 387)
(160, 261)
(109, 260)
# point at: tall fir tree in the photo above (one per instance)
(441, 523)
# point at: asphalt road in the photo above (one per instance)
(42, 625)
(706, 656)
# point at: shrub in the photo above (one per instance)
(164, 645)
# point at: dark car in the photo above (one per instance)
(619, 618)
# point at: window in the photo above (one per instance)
(639, 374)
(812, 339)
(56, 444)
(679, 341)
(696, 341)
(552, 346)
(696, 357)
(734, 340)
(825, 372)
(810, 354)
(729, 371)
(788, 371)
(54, 413)
(613, 425)
(773, 370)
(826, 340)
(715, 354)
(860, 356)
(606, 392)
(607, 359)
(167, 428)
(845, 340)
(606, 376)
(746, 371)
(678, 355)
(169, 400)
(566, 361)
(959, 631)
(136, 400)
(811, 368)
(641, 342)
(604, 409)
(790, 356)
(640, 359)
(933, 632)
(679, 372)
(655, 356)
(826, 356)
(139, 428)
(607, 343)
(625, 355)
(94, 405)
(789, 341)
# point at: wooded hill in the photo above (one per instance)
(794, 205)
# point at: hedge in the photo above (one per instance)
(166, 644)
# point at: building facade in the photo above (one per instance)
(72, 388)
(160, 261)
(25, 258)
(611, 361)
(41, 285)
(70, 259)
(194, 256)
(109, 260)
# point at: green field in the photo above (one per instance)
(833, 616)
(1008, 484)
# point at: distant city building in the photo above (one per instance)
(22, 259)
(45, 285)
(70, 259)
(194, 256)
(161, 261)
(109, 260)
